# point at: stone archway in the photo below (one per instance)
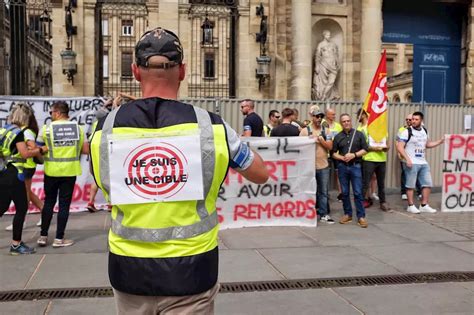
(327, 60)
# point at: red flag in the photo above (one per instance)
(376, 103)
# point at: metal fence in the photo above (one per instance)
(440, 119)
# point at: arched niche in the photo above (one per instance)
(337, 37)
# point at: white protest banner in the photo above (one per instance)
(151, 168)
(288, 197)
(458, 173)
(82, 110)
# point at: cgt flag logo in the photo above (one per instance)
(156, 170)
(376, 102)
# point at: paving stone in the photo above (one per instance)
(71, 271)
(23, 307)
(422, 257)
(467, 246)
(103, 306)
(434, 298)
(352, 235)
(321, 301)
(324, 262)
(86, 241)
(15, 271)
(265, 237)
(245, 265)
(421, 232)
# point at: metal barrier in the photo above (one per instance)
(440, 119)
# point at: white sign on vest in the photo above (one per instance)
(150, 169)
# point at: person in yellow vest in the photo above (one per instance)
(64, 144)
(334, 127)
(163, 243)
(374, 162)
(13, 154)
(29, 167)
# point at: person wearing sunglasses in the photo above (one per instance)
(273, 121)
(323, 145)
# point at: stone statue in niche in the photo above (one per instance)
(326, 69)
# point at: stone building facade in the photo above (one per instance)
(225, 66)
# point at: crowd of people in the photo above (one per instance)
(348, 153)
(163, 256)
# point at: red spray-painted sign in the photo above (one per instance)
(458, 173)
(288, 197)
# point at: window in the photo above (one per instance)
(127, 27)
(105, 64)
(207, 32)
(126, 64)
(105, 27)
(396, 98)
(209, 65)
(408, 97)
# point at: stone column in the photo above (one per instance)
(301, 59)
(371, 42)
(469, 86)
(167, 16)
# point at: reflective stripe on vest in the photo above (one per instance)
(207, 223)
(51, 158)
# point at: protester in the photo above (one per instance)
(286, 129)
(323, 146)
(374, 162)
(349, 146)
(412, 144)
(403, 189)
(29, 167)
(295, 121)
(273, 121)
(334, 128)
(163, 255)
(253, 124)
(61, 167)
(14, 152)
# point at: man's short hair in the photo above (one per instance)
(61, 106)
(344, 114)
(287, 112)
(248, 100)
(159, 42)
(272, 113)
(419, 114)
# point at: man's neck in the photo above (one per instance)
(286, 121)
(315, 126)
(159, 91)
(347, 130)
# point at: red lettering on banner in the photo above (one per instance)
(449, 179)
(240, 178)
(458, 141)
(284, 168)
(271, 168)
(219, 216)
(465, 182)
(287, 209)
(87, 192)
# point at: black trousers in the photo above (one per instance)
(12, 189)
(54, 186)
(368, 168)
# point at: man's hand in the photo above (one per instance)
(409, 163)
(348, 157)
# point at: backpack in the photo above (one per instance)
(410, 132)
(323, 131)
(5, 143)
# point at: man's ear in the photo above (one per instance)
(136, 72)
(182, 71)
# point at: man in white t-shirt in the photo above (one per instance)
(411, 145)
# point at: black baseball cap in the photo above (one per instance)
(159, 42)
